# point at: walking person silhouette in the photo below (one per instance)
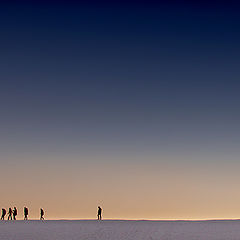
(9, 214)
(99, 215)
(14, 213)
(41, 214)
(3, 213)
(25, 213)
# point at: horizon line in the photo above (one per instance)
(122, 219)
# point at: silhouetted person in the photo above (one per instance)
(99, 214)
(9, 214)
(14, 213)
(41, 214)
(25, 213)
(3, 213)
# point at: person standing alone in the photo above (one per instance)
(99, 215)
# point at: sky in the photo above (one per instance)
(133, 106)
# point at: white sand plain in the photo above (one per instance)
(120, 230)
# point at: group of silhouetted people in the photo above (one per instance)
(12, 213)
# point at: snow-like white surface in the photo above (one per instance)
(120, 230)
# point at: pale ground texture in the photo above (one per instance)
(116, 230)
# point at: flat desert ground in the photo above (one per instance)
(118, 229)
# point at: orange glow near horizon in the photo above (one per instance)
(125, 191)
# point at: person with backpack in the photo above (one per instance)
(3, 213)
(41, 214)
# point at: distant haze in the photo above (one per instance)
(130, 106)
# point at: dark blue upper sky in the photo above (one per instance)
(124, 76)
(122, 103)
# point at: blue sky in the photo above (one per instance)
(124, 83)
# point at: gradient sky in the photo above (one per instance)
(131, 106)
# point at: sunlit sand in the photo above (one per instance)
(116, 230)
